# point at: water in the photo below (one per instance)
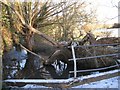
(57, 70)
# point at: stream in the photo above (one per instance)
(16, 60)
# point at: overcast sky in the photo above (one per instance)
(106, 10)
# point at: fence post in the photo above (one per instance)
(75, 68)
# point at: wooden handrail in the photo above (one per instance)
(96, 45)
(97, 69)
(99, 56)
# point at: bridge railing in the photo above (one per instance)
(74, 59)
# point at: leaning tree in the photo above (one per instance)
(26, 19)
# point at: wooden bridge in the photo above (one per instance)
(65, 83)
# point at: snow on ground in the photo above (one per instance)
(96, 74)
(34, 86)
(106, 83)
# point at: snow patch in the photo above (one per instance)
(22, 63)
(106, 83)
(34, 86)
(100, 74)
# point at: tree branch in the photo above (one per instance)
(31, 51)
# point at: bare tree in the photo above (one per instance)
(71, 20)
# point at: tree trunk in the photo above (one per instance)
(1, 72)
(1, 51)
(29, 68)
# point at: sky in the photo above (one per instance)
(106, 10)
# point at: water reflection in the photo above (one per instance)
(15, 62)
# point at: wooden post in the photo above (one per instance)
(75, 68)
